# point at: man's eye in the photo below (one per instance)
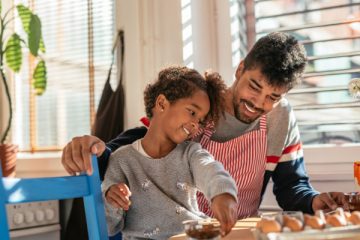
(254, 88)
(274, 99)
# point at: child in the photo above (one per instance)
(162, 172)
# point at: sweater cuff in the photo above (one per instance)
(309, 205)
(114, 217)
(224, 187)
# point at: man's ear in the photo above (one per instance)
(239, 70)
(161, 103)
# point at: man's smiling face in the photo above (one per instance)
(252, 95)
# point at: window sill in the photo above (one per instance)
(39, 165)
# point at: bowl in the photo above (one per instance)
(353, 200)
(202, 229)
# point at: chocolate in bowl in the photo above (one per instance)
(202, 229)
(353, 200)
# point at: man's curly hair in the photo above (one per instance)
(280, 57)
(177, 82)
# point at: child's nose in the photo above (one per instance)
(194, 126)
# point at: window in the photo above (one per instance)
(325, 111)
(78, 36)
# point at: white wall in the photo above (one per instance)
(151, 42)
(153, 39)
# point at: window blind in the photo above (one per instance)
(239, 31)
(78, 36)
(330, 32)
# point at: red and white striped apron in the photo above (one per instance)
(244, 158)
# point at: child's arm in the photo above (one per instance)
(113, 176)
(224, 207)
(216, 184)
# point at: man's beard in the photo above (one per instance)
(242, 118)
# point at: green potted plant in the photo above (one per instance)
(11, 51)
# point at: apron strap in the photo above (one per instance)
(263, 126)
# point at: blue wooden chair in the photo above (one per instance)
(21, 190)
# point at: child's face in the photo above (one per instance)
(182, 118)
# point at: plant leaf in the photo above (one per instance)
(35, 34)
(42, 45)
(25, 16)
(13, 54)
(39, 78)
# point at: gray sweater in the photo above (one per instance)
(163, 190)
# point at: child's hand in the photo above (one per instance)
(118, 196)
(224, 208)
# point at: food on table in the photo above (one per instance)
(354, 217)
(288, 223)
(336, 220)
(294, 224)
(268, 225)
(353, 200)
(202, 229)
(347, 215)
(314, 222)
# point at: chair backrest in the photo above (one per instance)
(21, 190)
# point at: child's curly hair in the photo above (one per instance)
(177, 82)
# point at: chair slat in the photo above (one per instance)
(42, 189)
(18, 190)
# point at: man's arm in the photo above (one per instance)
(76, 156)
(291, 186)
(291, 183)
(285, 158)
(124, 138)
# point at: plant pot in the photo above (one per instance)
(8, 154)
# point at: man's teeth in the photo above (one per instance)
(186, 131)
(249, 108)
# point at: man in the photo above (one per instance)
(256, 139)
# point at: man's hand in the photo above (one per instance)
(118, 196)
(224, 207)
(329, 201)
(76, 156)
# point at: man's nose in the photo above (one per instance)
(258, 101)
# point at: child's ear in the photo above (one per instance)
(161, 103)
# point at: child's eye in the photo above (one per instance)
(192, 113)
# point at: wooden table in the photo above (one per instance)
(241, 230)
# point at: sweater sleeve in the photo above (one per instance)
(209, 175)
(114, 175)
(122, 139)
(291, 183)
